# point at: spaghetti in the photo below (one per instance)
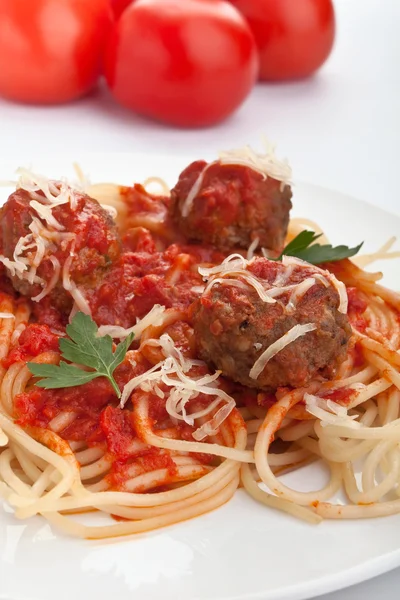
(183, 438)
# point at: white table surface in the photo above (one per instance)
(340, 130)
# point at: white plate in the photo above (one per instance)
(243, 550)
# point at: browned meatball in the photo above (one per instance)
(234, 326)
(85, 235)
(230, 206)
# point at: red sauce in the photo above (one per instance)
(157, 411)
(45, 312)
(183, 336)
(358, 355)
(139, 239)
(39, 406)
(356, 309)
(342, 396)
(6, 286)
(156, 459)
(138, 281)
(118, 430)
(265, 399)
(34, 340)
(139, 202)
(96, 244)
(152, 459)
(264, 269)
(357, 303)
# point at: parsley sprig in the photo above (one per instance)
(303, 246)
(83, 348)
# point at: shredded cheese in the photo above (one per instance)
(338, 285)
(80, 301)
(16, 268)
(293, 334)
(252, 248)
(300, 290)
(233, 262)
(53, 281)
(70, 286)
(172, 372)
(154, 317)
(196, 187)
(41, 242)
(329, 412)
(52, 193)
(235, 266)
(233, 272)
(267, 165)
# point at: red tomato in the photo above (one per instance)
(294, 37)
(51, 50)
(119, 6)
(189, 63)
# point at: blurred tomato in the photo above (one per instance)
(189, 63)
(119, 6)
(294, 37)
(51, 50)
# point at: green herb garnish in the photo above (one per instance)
(84, 348)
(302, 246)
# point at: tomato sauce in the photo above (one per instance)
(37, 407)
(356, 309)
(94, 241)
(341, 396)
(118, 430)
(139, 280)
(34, 340)
(152, 459)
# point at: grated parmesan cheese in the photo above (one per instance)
(154, 317)
(46, 195)
(173, 373)
(329, 412)
(252, 248)
(267, 165)
(299, 291)
(53, 193)
(234, 267)
(53, 281)
(338, 285)
(293, 334)
(70, 286)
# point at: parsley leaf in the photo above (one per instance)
(317, 254)
(86, 349)
(61, 376)
(302, 246)
(299, 243)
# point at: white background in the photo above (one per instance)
(341, 130)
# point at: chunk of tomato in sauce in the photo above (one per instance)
(117, 427)
(34, 340)
(37, 407)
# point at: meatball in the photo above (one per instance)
(230, 206)
(80, 232)
(234, 326)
